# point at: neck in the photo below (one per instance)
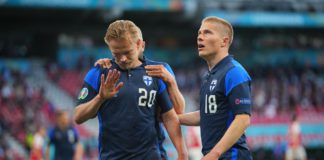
(215, 59)
(62, 127)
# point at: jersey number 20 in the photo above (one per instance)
(210, 104)
(146, 98)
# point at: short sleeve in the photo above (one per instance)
(91, 85)
(238, 90)
(163, 96)
(167, 66)
(164, 101)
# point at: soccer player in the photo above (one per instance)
(225, 96)
(37, 152)
(127, 110)
(64, 138)
(295, 149)
(163, 71)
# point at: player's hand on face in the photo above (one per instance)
(108, 87)
(104, 63)
(159, 71)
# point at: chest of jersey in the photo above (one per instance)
(66, 137)
(139, 88)
(135, 100)
(212, 94)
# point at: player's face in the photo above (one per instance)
(126, 52)
(64, 120)
(208, 40)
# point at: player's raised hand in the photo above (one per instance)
(108, 87)
(159, 71)
(104, 63)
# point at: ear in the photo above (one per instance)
(143, 46)
(225, 42)
(138, 44)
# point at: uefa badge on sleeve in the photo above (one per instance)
(83, 94)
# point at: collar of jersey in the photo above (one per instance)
(221, 63)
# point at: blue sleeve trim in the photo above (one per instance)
(162, 86)
(167, 66)
(93, 78)
(234, 77)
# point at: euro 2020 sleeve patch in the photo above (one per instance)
(84, 93)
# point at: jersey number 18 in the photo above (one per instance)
(210, 104)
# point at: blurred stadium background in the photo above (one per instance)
(47, 46)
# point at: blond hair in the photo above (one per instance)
(224, 27)
(123, 29)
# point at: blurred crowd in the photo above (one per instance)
(266, 5)
(284, 89)
(282, 39)
(23, 109)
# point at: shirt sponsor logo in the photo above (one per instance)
(147, 80)
(213, 85)
(84, 93)
(242, 101)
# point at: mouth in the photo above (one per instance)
(201, 46)
(123, 64)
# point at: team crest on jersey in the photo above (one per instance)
(84, 93)
(212, 85)
(147, 80)
(71, 136)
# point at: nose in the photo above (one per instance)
(123, 58)
(199, 38)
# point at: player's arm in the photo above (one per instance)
(238, 92)
(166, 74)
(78, 152)
(172, 125)
(171, 121)
(88, 110)
(190, 119)
(107, 90)
(233, 133)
